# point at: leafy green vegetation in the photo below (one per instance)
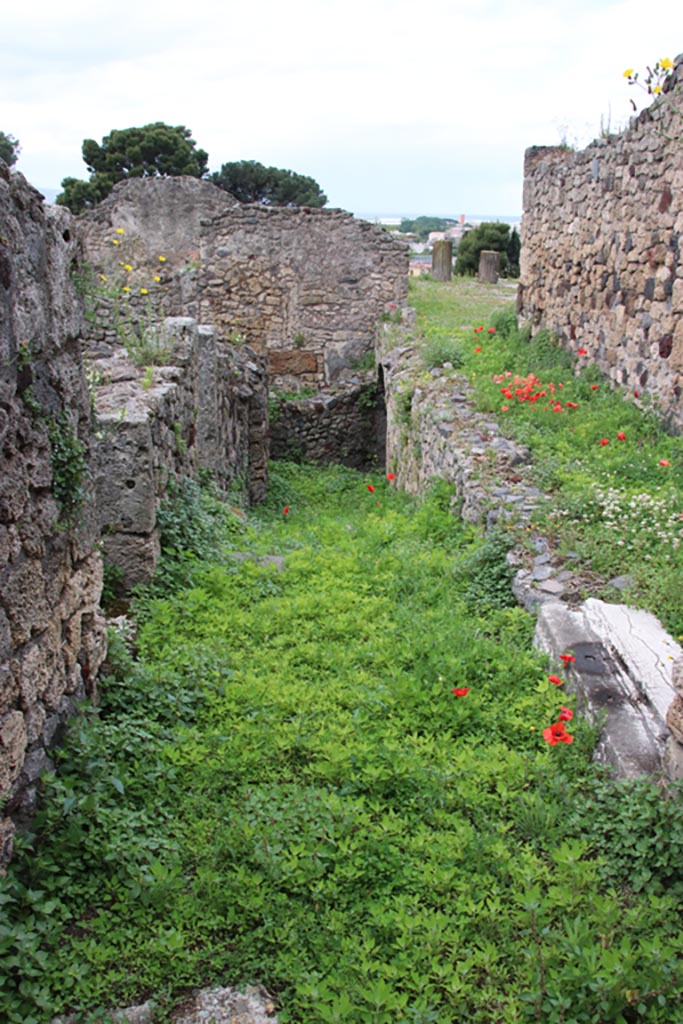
(152, 150)
(323, 767)
(69, 467)
(492, 235)
(422, 226)
(251, 182)
(610, 471)
(329, 775)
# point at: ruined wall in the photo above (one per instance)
(51, 635)
(304, 287)
(601, 250)
(207, 409)
(307, 287)
(346, 426)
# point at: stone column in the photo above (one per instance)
(489, 266)
(442, 260)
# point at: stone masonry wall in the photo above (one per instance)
(306, 287)
(345, 425)
(208, 410)
(601, 251)
(51, 633)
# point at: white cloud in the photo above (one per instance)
(369, 96)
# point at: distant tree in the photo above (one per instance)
(9, 148)
(422, 226)
(514, 250)
(155, 150)
(492, 235)
(251, 182)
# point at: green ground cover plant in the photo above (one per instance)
(611, 472)
(334, 776)
(345, 773)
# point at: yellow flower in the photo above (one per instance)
(628, 72)
(666, 64)
(143, 291)
(657, 89)
(157, 278)
(103, 277)
(162, 259)
(127, 267)
(125, 288)
(121, 263)
(119, 231)
(115, 241)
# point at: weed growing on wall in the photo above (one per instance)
(69, 467)
(129, 301)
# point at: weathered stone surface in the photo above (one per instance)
(279, 279)
(50, 572)
(612, 684)
(674, 718)
(297, 362)
(204, 1006)
(601, 256)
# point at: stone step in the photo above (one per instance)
(622, 676)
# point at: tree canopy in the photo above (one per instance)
(421, 226)
(493, 235)
(9, 148)
(251, 182)
(154, 150)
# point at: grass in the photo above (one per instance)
(281, 786)
(611, 473)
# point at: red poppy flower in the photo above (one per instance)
(391, 476)
(478, 348)
(621, 436)
(285, 510)
(504, 408)
(582, 352)
(556, 680)
(594, 387)
(371, 489)
(567, 658)
(565, 715)
(636, 394)
(461, 691)
(492, 330)
(664, 462)
(572, 405)
(556, 733)
(604, 440)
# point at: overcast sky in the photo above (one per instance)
(398, 107)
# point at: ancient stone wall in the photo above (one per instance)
(307, 288)
(51, 634)
(206, 410)
(601, 251)
(346, 426)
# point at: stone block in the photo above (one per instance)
(296, 362)
(12, 749)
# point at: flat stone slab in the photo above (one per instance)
(204, 1006)
(622, 676)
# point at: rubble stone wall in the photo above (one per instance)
(304, 287)
(346, 426)
(601, 251)
(51, 632)
(206, 410)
